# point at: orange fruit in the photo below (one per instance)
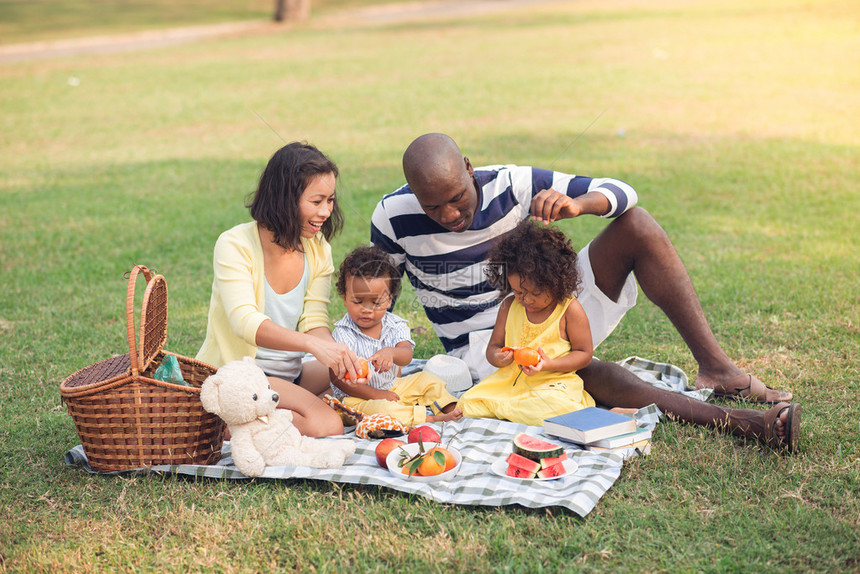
(363, 371)
(450, 461)
(412, 469)
(430, 465)
(526, 356)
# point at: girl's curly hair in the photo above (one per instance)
(543, 255)
(368, 263)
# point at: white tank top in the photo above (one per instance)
(285, 310)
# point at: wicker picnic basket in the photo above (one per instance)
(125, 418)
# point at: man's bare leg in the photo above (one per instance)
(612, 385)
(636, 242)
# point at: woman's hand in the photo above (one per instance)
(340, 359)
(318, 342)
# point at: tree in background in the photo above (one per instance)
(292, 10)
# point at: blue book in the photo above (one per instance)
(588, 425)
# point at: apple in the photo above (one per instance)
(384, 447)
(427, 434)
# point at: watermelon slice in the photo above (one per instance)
(523, 463)
(545, 462)
(518, 472)
(552, 471)
(535, 448)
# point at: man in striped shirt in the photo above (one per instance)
(439, 227)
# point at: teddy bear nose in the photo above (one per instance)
(275, 397)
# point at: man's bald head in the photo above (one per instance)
(431, 158)
(442, 180)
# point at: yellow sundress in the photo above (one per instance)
(536, 397)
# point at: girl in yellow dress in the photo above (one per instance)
(537, 266)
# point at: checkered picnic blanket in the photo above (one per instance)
(664, 376)
(480, 442)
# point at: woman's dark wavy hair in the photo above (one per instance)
(543, 255)
(275, 204)
(368, 263)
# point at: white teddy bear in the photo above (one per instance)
(260, 434)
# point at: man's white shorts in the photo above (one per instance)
(603, 314)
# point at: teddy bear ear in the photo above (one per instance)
(210, 395)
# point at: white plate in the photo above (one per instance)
(500, 467)
(412, 449)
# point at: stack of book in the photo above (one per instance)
(601, 430)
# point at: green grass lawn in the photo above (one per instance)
(735, 120)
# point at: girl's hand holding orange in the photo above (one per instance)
(538, 366)
(505, 356)
(525, 356)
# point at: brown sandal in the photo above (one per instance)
(792, 427)
(749, 388)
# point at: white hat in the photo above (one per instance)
(454, 371)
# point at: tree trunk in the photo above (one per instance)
(293, 10)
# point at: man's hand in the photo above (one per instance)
(550, 205)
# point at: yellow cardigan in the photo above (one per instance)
(237, 306)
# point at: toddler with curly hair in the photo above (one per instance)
(534, 269)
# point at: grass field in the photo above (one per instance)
(735, 120)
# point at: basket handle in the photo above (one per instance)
(129, 313)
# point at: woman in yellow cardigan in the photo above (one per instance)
(270, 292)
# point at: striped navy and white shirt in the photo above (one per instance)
(446, 268)
(394, 330)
